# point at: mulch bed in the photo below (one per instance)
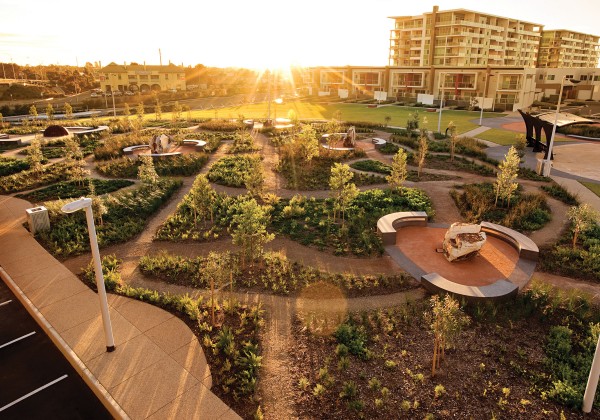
(490, 373)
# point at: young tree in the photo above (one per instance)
(387, 120)
(75, 161)
(33, 113)
(158, 110)
(249, 230)
(140, 111)
(68, 111)
(508, 170)
(399, 172)
(343, 191)
(146, 172)
(176, 111)
(217, 271)
(446, 321)
(255, 181)
(98, 207)
(582, 217)
(422, 153)
(126, 110)
(201, 199)
(50, 112)
(308, 142)
(35, 157)
(452, 132)
(413, 123)
(188, 112)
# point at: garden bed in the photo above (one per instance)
(525, 212)
(180, 165)
(504, 365)
(9, 166)
(273, 274)
(74, 189)
(232, 170)
(127, 215)
(27, 180)
(384, 169)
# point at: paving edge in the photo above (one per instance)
(93, 383)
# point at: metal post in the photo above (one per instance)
(441, 102)
(481, 115)
(113, 98)
(592, 384)
(108, 334)
(547, 167)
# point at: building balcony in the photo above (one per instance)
(510, 86)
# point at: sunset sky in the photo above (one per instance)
(256, 34)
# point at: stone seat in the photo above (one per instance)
(388, 224)
(129, 150)
(199, 144)
(6, 141)
(379, 143)
(499, 290)
(525, 247)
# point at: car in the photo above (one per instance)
(95, 95)
(129, 93)
(108, 94)
(118, 93)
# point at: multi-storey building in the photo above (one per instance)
(142, 77)
(462, 54)
(563, 48)
(463, 38)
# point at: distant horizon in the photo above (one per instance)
(265, 35)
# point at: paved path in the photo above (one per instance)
(158, 369)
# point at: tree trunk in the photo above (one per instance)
(575, 234)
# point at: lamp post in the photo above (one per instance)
(86, 203)
(546, 168)
(113, 99)
(442, 77)
(592, 383)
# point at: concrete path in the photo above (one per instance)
(158, 369)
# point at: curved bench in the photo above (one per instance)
(129, 150)
(526, 247)
(159, 155)
(199, 144)
(379, 143)
(388, 224)
(499, 290)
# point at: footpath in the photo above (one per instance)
(158, 369)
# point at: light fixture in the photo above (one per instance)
(86, 204)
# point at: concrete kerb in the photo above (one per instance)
(93, 383)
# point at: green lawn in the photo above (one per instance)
(507, 138)
(349, 112)
(502, 137)
(592, 186)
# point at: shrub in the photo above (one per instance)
(182, 165)
(9, 166)
(557, 191)
(354, 337)
(372, 166)
(73, 189)
(231, 171)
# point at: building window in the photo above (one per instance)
(366, 78)
(407, 79)
(166, 77)
(550, 77)
(596, 78)
(541, 77)
(154, 76)
(584, 77)
(119, 77)
(132, 77)
(332, 78)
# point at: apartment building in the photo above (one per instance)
(563, 48)
(463, 38)
(142, 77)
(462, 54)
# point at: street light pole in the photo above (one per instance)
(86, 203)
(442, 75)
(592, 384)
(113, 99)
